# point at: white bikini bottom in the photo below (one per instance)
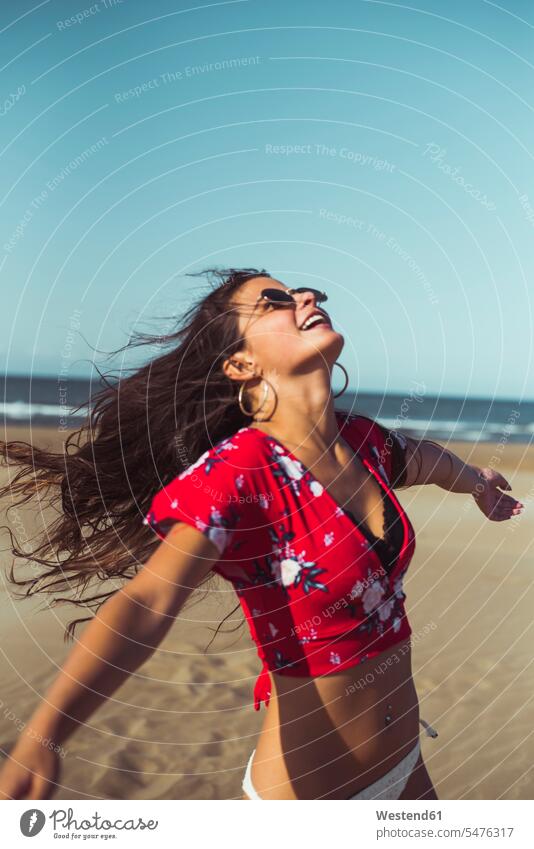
(388, 786)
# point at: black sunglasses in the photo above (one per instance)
(285, 296)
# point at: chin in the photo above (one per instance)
(326, 346)
(331, 341)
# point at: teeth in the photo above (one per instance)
(314, 319)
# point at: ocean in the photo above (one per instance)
(49, 401)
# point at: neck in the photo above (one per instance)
(304, 414)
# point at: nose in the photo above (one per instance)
(304, 299)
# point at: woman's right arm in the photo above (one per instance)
(126, 630)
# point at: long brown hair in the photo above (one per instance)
(142, 429)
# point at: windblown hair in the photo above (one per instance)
(141, 430)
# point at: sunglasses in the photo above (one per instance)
(285, 296)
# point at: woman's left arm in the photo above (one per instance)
(428, 462)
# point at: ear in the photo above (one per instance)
(237, 367)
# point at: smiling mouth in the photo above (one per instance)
(316, 321)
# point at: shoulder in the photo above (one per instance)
(386, 449)
(371, 440)
(227, 464)
(227, 452)
(212, 493)
(362, 429)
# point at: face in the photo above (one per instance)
(275, 340)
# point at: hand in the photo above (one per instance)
(495, 504)
(30, 772)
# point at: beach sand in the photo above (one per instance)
(183, 725)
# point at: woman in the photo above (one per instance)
(287, 498)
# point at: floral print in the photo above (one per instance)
(372, 596)
(314, 590)
(294, 572)
(285, 571)
(316, 488)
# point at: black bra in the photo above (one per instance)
(388, 549)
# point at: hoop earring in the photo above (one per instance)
(346, 380)
(240, 398)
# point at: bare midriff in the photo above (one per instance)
(327, 737)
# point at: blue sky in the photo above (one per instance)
(381, 151)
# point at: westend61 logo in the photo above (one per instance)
(33, 820)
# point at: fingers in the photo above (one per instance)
(499, 516)
(506, 509)
(512, 510)
(502, 482)
(510, 503)
(496, 479)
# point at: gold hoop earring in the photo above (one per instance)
(346, 380)
(240, 398)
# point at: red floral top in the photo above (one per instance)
(317, 594)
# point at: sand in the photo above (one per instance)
(183, 726)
